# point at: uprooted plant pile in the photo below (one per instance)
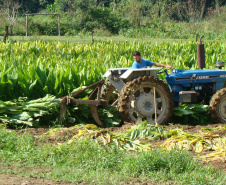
(211, 141)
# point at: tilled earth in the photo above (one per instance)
(66, 134)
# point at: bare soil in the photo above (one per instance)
(10, 179)
(67, 134)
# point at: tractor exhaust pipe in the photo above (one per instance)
(201, 54)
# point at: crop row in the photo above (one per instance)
(34, 69)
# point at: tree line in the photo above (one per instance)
(112, 15)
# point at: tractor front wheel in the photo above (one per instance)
(218, 106)
(137, 102)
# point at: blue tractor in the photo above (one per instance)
(143, 96)
(196, 86)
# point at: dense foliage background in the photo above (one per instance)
(130, 18)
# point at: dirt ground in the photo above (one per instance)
(6, 179)
(9, 179)
(20, 180)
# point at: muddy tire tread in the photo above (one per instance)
(214, 102)
(128, 89)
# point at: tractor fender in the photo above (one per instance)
(120, 76)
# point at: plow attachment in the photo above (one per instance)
(69, 100)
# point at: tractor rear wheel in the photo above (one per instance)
(136, 101)
(218, 106)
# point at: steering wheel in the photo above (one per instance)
(162, 70)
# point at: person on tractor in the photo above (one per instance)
(143, 63)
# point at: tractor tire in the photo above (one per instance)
(109, 93)
(218, 106)
(136, 101)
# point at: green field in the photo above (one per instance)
(36, 147)
(34, 69)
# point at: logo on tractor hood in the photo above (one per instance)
(202, 77)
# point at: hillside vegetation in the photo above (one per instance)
(129, 18)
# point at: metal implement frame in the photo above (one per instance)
(69, 100)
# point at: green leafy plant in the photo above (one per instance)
(192, 114)
(27, 112)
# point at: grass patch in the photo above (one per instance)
(86, 39)
(86, 161)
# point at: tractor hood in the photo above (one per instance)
(179, 76)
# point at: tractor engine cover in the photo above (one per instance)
(187, 97)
